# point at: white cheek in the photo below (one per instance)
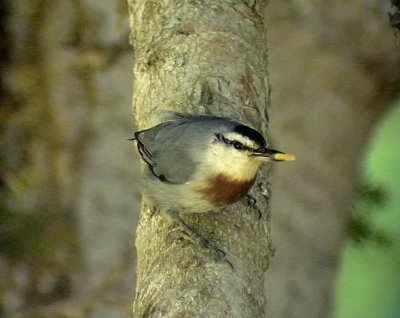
(231, 162)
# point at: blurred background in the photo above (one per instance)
(369, 280)
(69, 200)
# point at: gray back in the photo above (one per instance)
(176, 146)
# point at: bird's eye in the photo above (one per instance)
(238, 145)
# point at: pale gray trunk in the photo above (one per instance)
(202, 57)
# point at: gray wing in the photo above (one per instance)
(166, 150)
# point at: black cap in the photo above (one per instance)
(250, 133)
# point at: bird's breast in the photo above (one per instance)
(223, 190)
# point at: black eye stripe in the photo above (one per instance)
(238, 145)
(220, 137)
(232, 143)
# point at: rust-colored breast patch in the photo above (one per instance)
(223, 190)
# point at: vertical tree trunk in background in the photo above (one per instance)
(202, 57)
(65, 235)
(334, 71)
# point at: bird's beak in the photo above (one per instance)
(271, 154)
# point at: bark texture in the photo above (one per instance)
(202, 57)
(334, 72)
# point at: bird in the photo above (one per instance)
(200, 163)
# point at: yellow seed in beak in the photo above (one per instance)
(284, 157)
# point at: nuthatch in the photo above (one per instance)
(200, 163)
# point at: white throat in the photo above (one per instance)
(228, 161)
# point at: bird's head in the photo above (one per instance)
(240, 150)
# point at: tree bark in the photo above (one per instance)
(202, 57)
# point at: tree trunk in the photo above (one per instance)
(202, 57)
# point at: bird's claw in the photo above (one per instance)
(250, 200)
(252, 203)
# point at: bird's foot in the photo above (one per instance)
(251, 202)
